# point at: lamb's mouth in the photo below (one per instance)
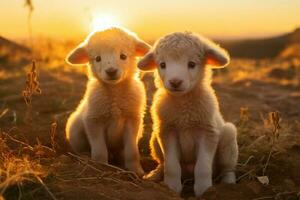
(176, 90)
(112, 80)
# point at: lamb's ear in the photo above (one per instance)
(141, 47)
(147, 63)
(78, 56)
(216, 57)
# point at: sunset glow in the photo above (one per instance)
(101, 21)
(152, 19)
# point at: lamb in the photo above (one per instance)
(189, 132)
(109, 118)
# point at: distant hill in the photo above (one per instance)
(286, 45)
(13, 54)
(13, 46)
(291, 51)
(293, 47)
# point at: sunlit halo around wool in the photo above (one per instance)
(101, 22)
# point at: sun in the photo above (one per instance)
(104, 21)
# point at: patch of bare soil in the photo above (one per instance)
(78, 178)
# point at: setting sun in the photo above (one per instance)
(103, 21)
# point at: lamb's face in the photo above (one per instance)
(180, 74)
(112, 59)
(111, 54)
(182, 59)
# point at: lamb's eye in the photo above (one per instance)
(123, 56)
(162, 65)
(191, 65)
(98, 58)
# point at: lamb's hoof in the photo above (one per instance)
(229, 177)
(174, 184)
(140, 172)
(199, 189)
(155, 175)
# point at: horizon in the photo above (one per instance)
(240, 20)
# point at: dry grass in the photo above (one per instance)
(268, 141)
(19, 165)
(32, 85)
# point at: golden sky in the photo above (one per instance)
(153, 18)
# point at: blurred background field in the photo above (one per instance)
(259, 91)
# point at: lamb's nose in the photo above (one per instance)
(175, 83)
(111, 72)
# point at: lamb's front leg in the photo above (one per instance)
(96, 137)
(172, 170)
(131, 152)
(206, 148)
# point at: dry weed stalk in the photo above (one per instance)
(115, 170)
(244, 118)
(32, 85)
(244, 114)
(6, 110)
(29, 5)
(272, 125)
(53, 135)
(23, 144)
(42, 151)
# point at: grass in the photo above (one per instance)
(32, 85)
(17, 166)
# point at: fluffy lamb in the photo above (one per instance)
(189, 132)
(109, 118)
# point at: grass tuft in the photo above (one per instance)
(32, 85)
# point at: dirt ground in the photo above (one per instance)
(260, 97)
